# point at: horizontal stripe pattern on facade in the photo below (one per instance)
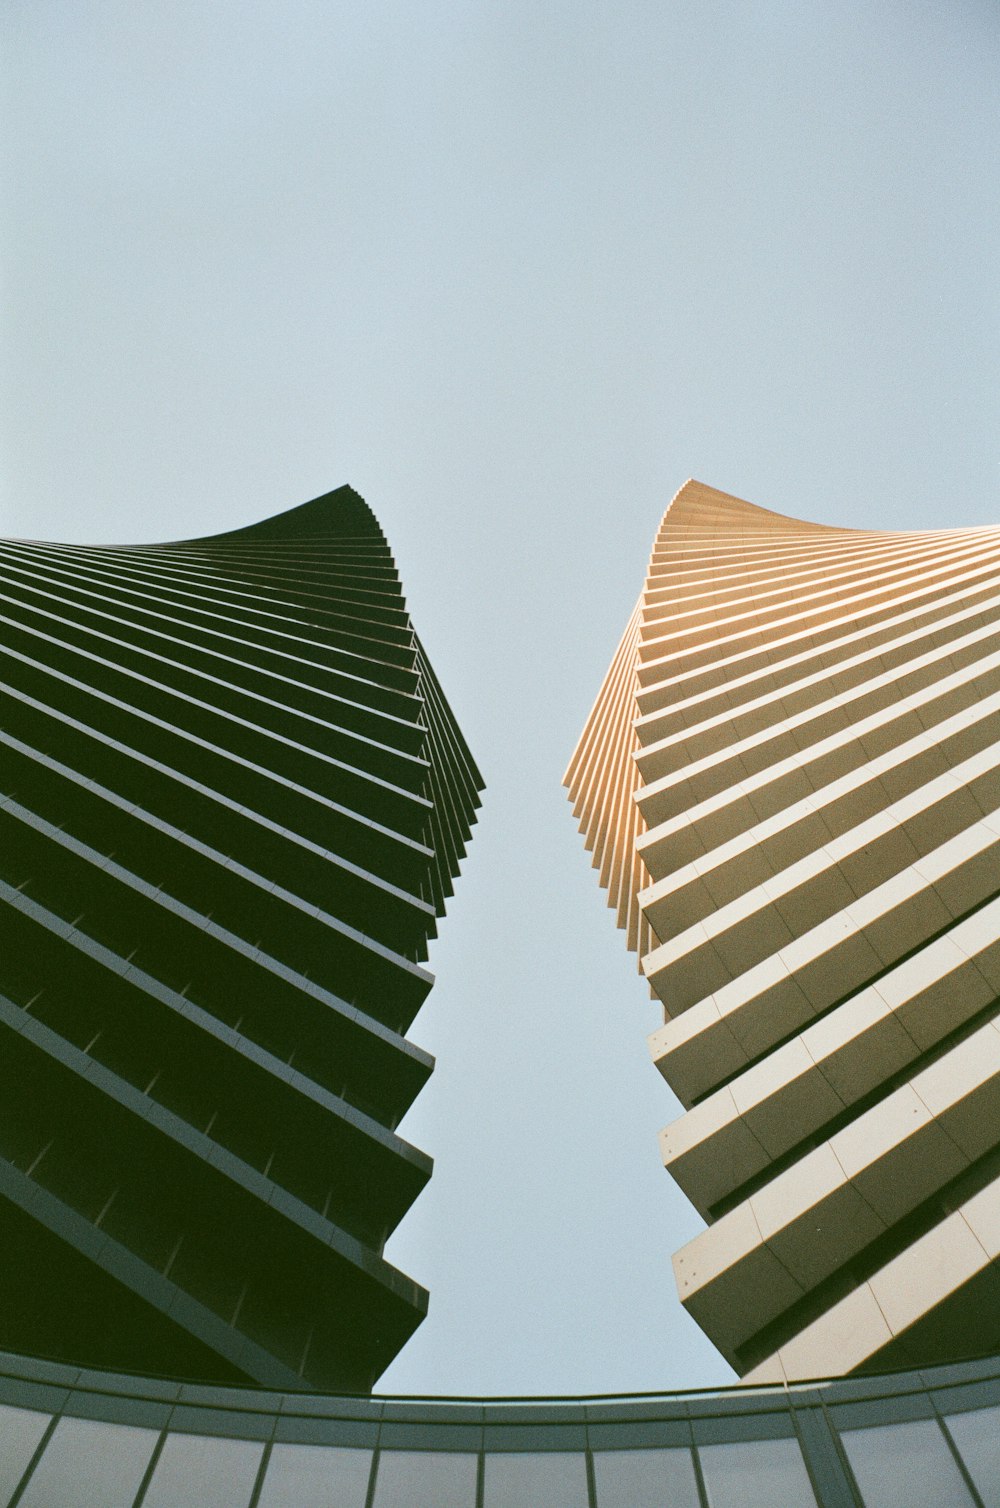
(233, 805)
(800, 736)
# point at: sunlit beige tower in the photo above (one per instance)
(790, 782)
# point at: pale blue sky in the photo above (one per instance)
(515, 271)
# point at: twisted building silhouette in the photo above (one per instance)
(791, 785)
(234, 801)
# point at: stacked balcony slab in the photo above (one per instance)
(234, 801)
(791, 784)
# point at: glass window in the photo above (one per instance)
(977, 1436)
(905, 1463)
(204, 1469)
(88, 1461)
(21, 1431)
(645, 1479)
(556, 1479)
(425, 1479)
(316, 1476)
(756, 1474)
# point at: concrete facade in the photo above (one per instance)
(790, 783)
(233, 803)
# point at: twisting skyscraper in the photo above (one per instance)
(234, 800)
(791, 784)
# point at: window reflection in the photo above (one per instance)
(556, 1479)
(425, 1479)
(977, 1436)
(86, 1462)
(756, 1474)
(905, 1463)
(645, 1479)
(21, 1431)
(316, 1476)
(204, 1470)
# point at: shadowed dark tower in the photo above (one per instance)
(234, 800)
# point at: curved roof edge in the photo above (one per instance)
(734, 1399)
(724, 509)
(332, 515)
(64, 1442)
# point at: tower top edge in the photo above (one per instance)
(341, 513)
(725, 508)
